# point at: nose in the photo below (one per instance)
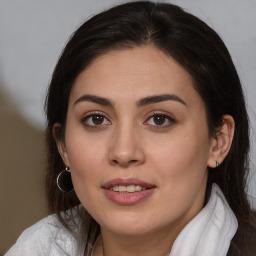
(126, 148)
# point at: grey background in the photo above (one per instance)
(32, 35)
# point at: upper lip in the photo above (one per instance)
(127, 182)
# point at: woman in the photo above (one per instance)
(146, 113)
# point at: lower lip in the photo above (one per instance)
(128, 198)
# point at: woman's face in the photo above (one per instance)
(137, 142)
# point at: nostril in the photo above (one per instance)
(123, 162)
(131, 154)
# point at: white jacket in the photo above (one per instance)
(208, 234)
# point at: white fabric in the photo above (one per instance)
(208, 234)
(46, 238)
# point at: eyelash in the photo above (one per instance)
(165, 117)
(106, 122)
(95, 114)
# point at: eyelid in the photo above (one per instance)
(170, 118)
(95, 112)
(91, 114)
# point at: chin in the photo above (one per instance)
(129, 230)
(129, 224)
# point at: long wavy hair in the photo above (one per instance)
(195, 46)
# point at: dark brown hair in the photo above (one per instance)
(191, 43)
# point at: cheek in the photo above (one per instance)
(86, 165)
(181, 167)
(85, 155)
(182, 160)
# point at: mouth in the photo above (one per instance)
(128, 191)
(130, 185)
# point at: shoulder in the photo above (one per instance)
(46, 237)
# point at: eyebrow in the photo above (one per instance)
(95, 99)
(142, 102)
(159, 98)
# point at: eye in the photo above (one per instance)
(160, 120)
(95, 120)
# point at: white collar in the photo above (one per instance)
(209, 233)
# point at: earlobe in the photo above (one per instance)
(60, 143)
(222, 142)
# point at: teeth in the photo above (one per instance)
(115, 188)
(139, 188)
(122, 189)
(129, 189)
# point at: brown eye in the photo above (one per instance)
(159, 120)
(95, 120)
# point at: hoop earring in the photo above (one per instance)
(64, 181)
(217, 164)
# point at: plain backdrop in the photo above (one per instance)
(32, 35)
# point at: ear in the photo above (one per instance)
(222, 141)
(60, 142)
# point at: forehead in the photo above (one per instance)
(135, 72)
